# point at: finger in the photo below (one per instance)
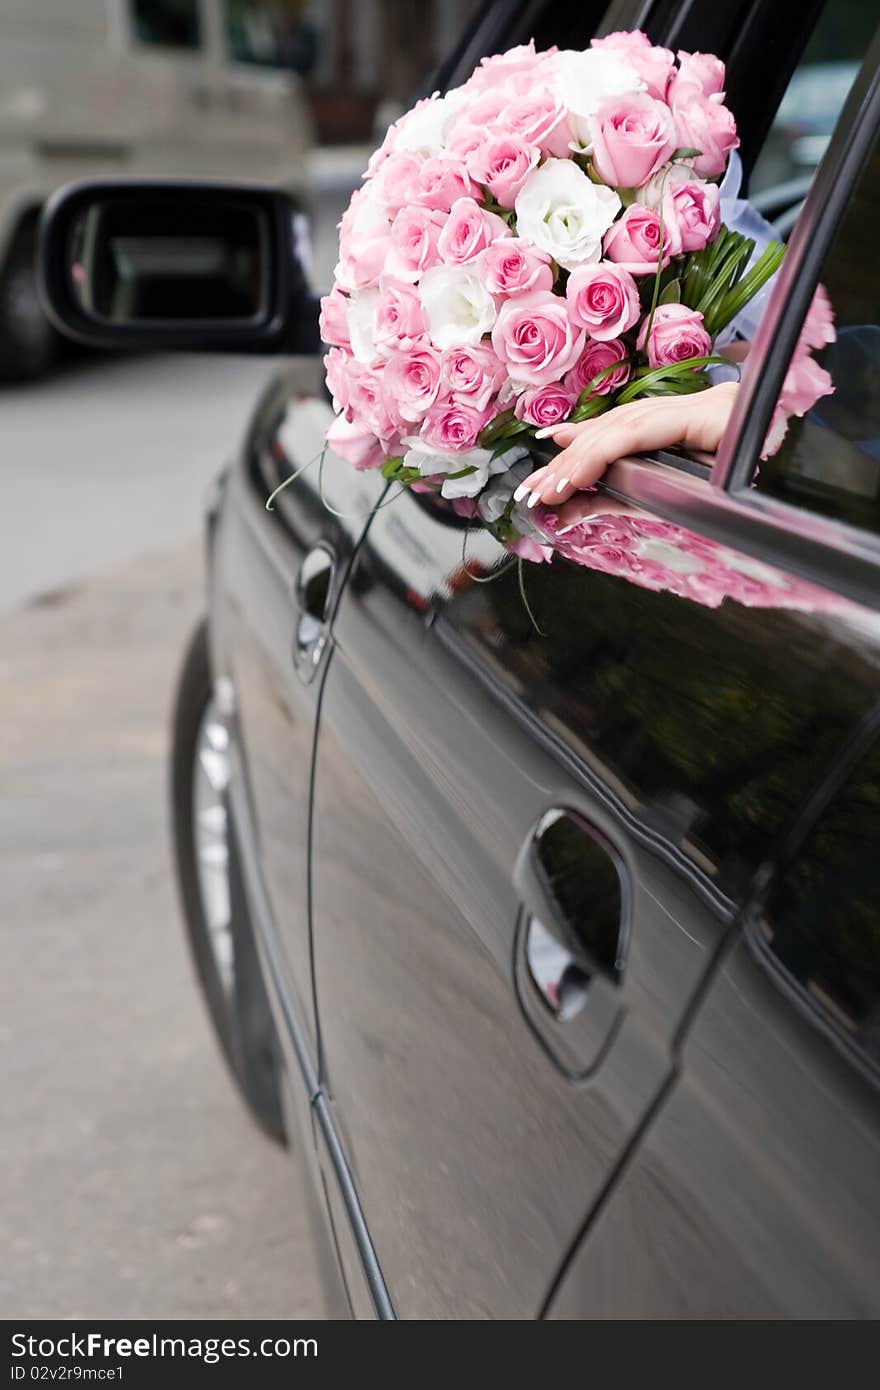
(562, 433)
(649, 424)
(585, 505)
(529, 484)
(579, 466)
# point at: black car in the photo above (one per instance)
(552, 947)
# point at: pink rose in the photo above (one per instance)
(480, 113)
(603, 299)
(677, 333)
(531, 550)
(353, 442)
(510, 266)
(693, 211)
(535, 339)
(381, 155)
(654, 65)
(411, 381)
(396, 182)
(805, 383)
(538, 118)
(333, 323)
(450, 425)
(818, 330)
(440, 183)
(544, 405)
(369, 406)
(596, 358)
(495, 70)
(471, 375)
(463, 141)
(413, 249)
(469, 230)
(705, 124)
(503, 164)
(363, 240)
(704, 70)
(399, 323)
(633, 242)
(337, 366)
(633, 137)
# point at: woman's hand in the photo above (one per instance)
(697, 421)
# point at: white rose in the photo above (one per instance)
(458, 307)
(496, 499)
(584, 80)
(421, 131)
(430, 461)
(563, 213)
(361, 319)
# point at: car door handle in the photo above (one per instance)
(571, 944)
(313, 596)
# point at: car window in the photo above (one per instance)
(822, 925)
(814, 97)
(167, 23)
(829, 461)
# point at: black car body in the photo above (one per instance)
(570, 929)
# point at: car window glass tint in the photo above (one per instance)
(829, 461)
(822, 925)
(168, 23)
(814, 98)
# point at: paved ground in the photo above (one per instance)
(131, 1182)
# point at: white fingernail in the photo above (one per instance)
(546, 432)
(534, 499)
(562, 484)
(521, 492)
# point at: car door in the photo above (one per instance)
(281, 571)
(540, 804)
(755, 1191)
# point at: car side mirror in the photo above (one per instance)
(165, 264)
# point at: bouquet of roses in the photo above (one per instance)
(538, 245)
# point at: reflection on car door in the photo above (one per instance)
(464, 760)
(282, 571)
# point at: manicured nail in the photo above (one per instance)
(534, 499)
(521, 492)
(562, 484)
(546, 432)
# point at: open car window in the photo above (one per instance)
(809, 110)
(828, 460)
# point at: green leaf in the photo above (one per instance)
(463, 472)
(672, 293)
(391, 468)
(590, 408)
(588, 392)
(673, 380)
(489, 433)
(684, 153)
(407, 476)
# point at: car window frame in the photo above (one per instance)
(817, 548)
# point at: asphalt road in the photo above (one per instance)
(132, 1183)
